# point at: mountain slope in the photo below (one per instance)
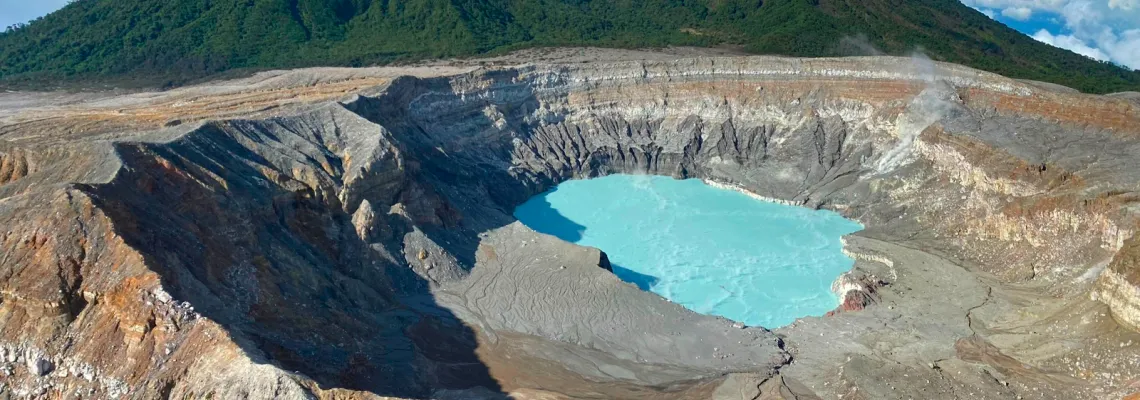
(176, 40)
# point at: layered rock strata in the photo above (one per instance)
(365, 247)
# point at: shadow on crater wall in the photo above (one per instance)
(242, 219)
(281, 267)
(538, 214)
(642, 281)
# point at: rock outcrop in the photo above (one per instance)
(1119, 284)
(365, 246)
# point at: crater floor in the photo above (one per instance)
(348, 233)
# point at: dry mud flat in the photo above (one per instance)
(347, 233)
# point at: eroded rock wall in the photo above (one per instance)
(1033, 192)
(367, 245)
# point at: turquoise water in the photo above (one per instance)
(711, 250)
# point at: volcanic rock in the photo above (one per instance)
(356, 239)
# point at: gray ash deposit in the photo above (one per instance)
(348, 234)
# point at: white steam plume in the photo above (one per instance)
(934, 103)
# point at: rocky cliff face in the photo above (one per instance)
(365, 246)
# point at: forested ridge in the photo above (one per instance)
(173, 41)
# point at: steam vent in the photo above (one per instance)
(350, 234)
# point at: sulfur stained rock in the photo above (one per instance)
(855, 292)
(365, 247)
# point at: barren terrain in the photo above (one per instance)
(347, 233)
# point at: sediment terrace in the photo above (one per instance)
(365, 247)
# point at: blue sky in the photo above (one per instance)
(14, 11)
(1106, 30)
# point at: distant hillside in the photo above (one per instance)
(172, 41)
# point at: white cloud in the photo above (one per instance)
(1018, 13)
(1082, 15)
(1124, 4)
(987, 12)
(1070, 43)
(1101, 29)
(1123, 48)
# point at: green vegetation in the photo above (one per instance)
(174, 41)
